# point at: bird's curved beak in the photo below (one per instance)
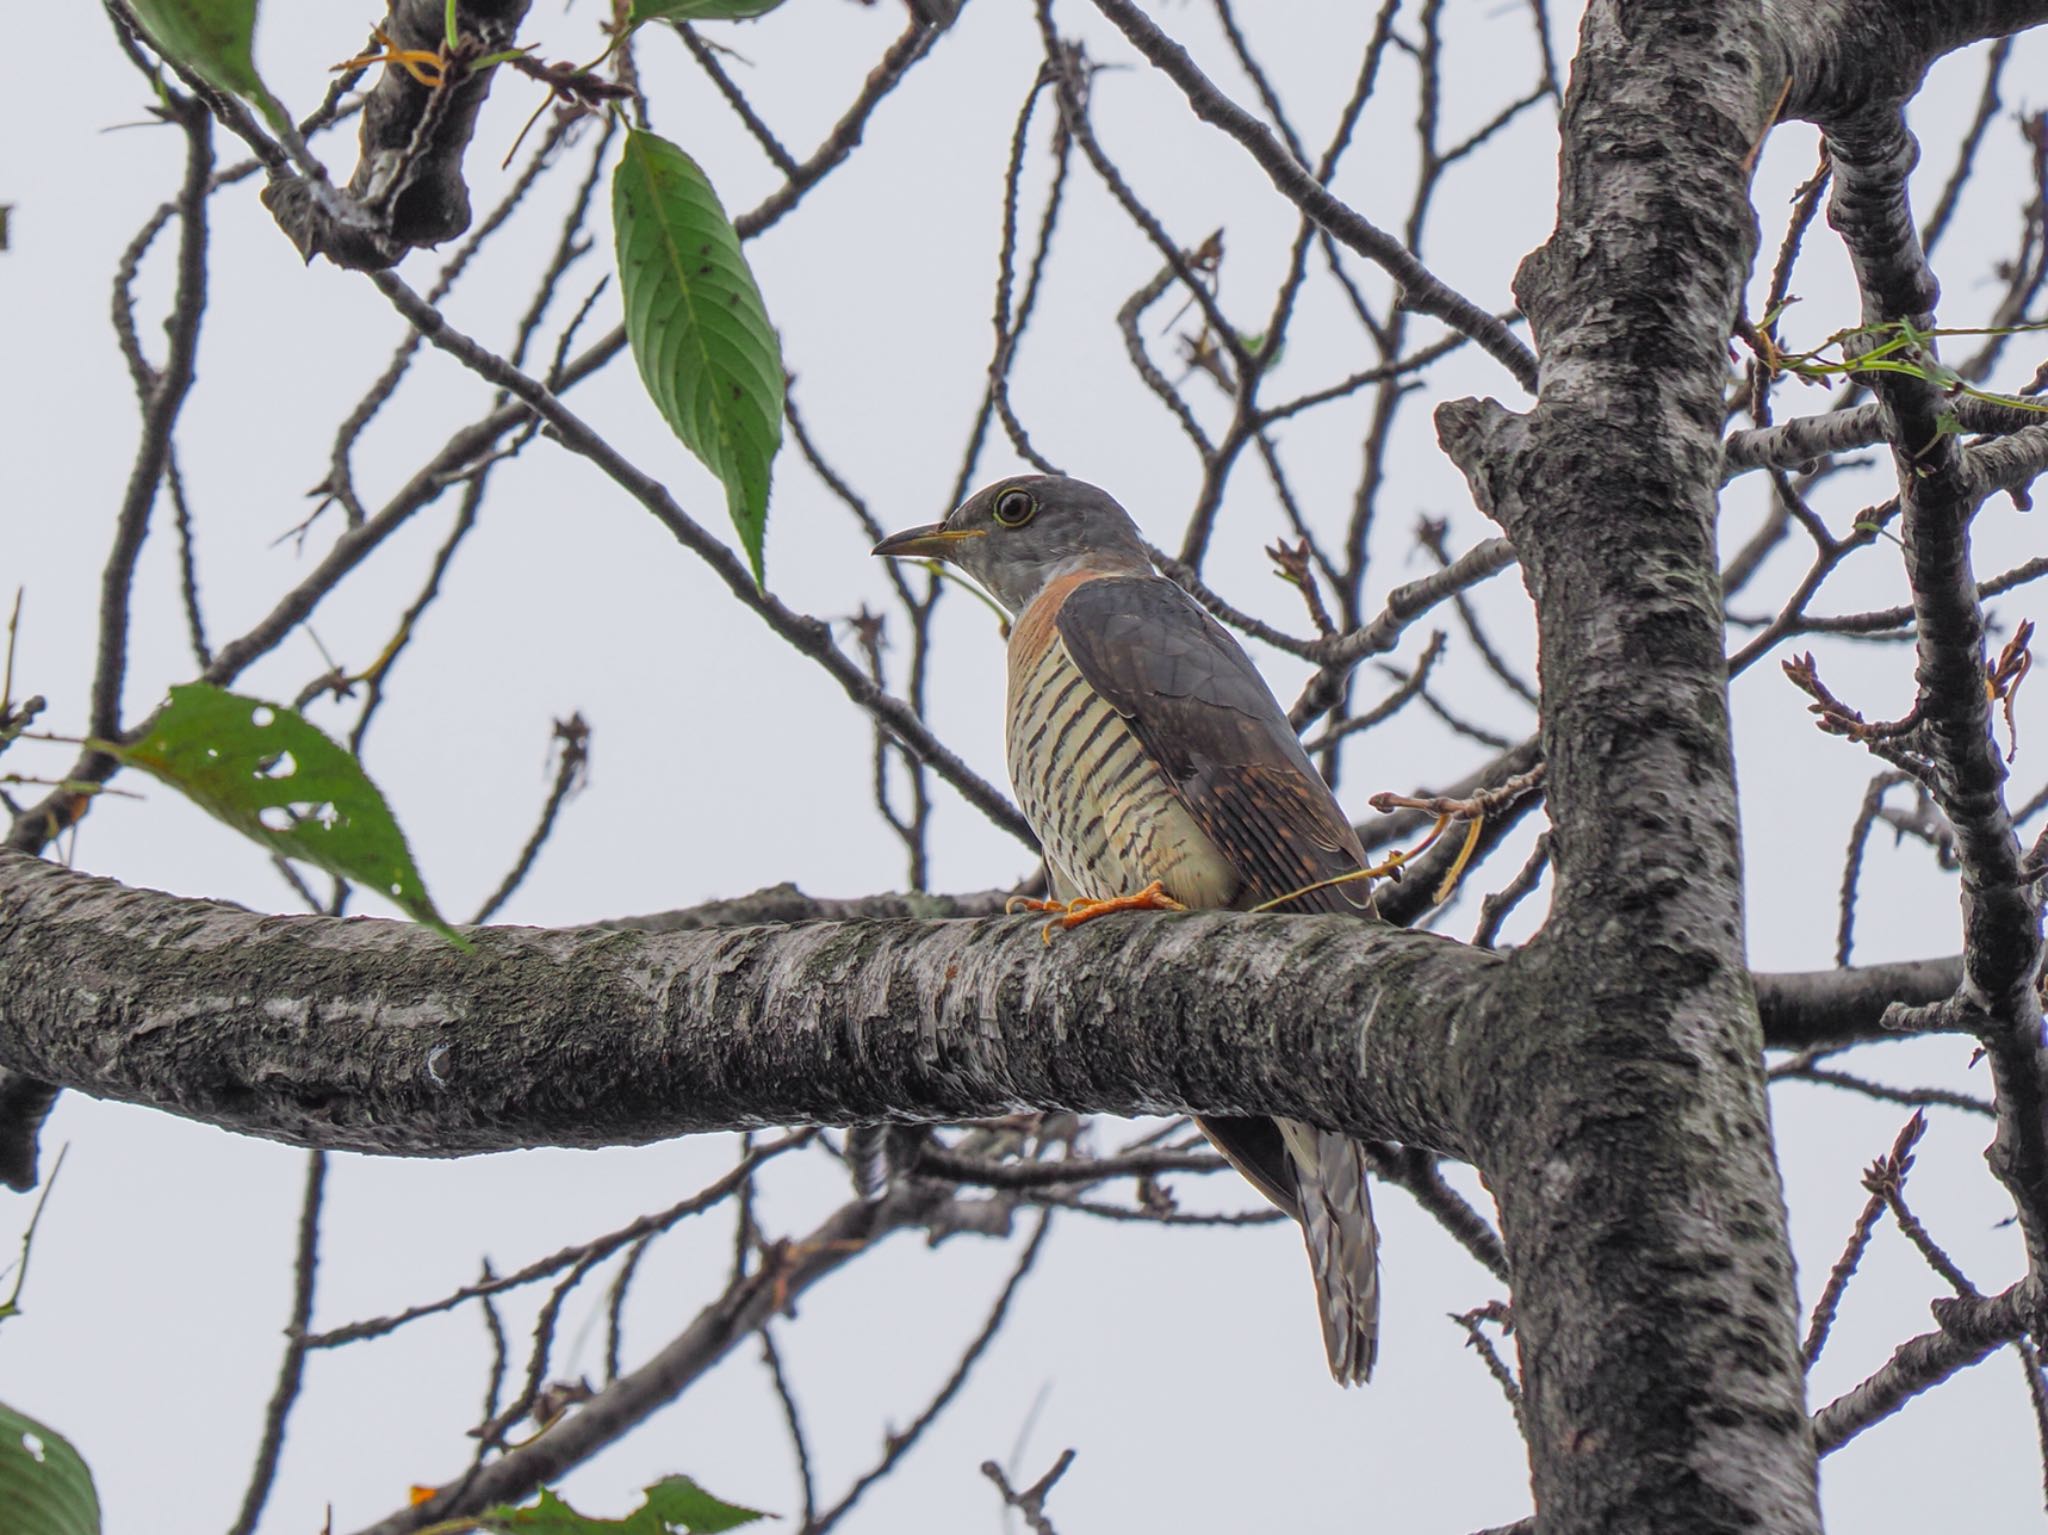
(933, 541)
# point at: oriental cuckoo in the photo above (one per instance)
(1159, 771)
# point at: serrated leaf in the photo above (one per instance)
(675, 1505)
(699, 10)
(215, 40)
(699, 331)
(279, 780)
(45, 1486)
(685, 1505)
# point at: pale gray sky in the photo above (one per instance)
(1183, 1366)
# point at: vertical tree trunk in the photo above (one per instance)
(1632, 1156)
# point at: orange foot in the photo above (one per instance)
(1086, 908)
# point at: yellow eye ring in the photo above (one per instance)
(1014, 508)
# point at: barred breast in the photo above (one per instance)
(1102, 809)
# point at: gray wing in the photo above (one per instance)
(1204, 714)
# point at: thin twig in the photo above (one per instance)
(291, 1369)
(793, 1421)
(1031, 1501)
(901, 1444)
(574, 736)
(597, 1248)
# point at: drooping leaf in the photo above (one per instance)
(675, 1506)
(212, 38)
(276, 778)
(699, 330)
(699, 10)
(45, 1486)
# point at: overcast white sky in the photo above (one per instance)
(1183, 1366)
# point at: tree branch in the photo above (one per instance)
(378, 1036)
(1969, 1330)
(1421, 289)
(711, 1335)
(1873, 153)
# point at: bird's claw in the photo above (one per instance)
(1086, 908)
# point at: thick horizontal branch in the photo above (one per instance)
(1803, 1008)
(786, 903)
(1799, 1008)
(382, 1037)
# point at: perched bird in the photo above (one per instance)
(1159, 771)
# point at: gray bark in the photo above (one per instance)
(1606, 1079)
(380, 1036)
(1662, 1391)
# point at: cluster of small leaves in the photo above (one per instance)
(1904, 349)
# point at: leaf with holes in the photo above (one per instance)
(45, 1486)
(675, 1506)
(699, 331)
(277, 779)
(212, 38)
(699, 10)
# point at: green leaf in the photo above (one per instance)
(212, 38)
(45, 1487)
(675, 1506)
(278, 780)
(698, 10)
(215, 40)
(699, 330)
(681, 1502)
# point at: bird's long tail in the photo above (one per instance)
(1343, 1244)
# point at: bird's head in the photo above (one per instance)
(1017, 534)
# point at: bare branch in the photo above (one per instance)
(1421, 289)
(291, 1371)
(1031, 1501)
(710, 1336)
(574, 737)
(2002, 947)
(901, 1444)
(808, 636)
(1969, 1331)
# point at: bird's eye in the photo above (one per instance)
(1014, 508)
